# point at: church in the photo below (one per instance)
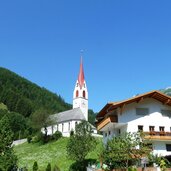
(66, 121)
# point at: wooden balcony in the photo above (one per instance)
(107, 120)
(158, 135)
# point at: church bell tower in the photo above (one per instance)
(80, 94)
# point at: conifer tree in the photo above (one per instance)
(8, 159)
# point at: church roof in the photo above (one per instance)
(73, 114)
(81, 75)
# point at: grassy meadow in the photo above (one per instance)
(53, 152)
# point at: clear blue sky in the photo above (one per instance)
(126, 43)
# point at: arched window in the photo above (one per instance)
(77, 93)
(62, 127)
(69, 126)
(84, 94)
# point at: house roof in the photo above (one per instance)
(163, 98)
(73, 114)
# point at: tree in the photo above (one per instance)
(125, 150)
(48, 168)
(81, 143)
(17, 124)
(35, 166)
(8, 159)
(40, 119)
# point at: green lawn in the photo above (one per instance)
(54, 153)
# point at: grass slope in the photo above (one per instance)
(54, 153)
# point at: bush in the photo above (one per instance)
(57, 135)
(56, 168)
(35, 166)
(29, 138)
(71, 133)
(48, 168)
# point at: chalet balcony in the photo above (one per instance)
(106, 122)
(158, 135)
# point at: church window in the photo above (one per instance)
(62, 127)
(84, 94)
(77, 93)
(69, 126)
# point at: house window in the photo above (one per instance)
(166, 113)
(142, 111)
(105, 134)
(77, 93)
(84, 94)
(161, 128)
(140, 128)
(109, 133)
(168, 147)
(151, 128)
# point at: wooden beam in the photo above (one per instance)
(166, 102)
(122, 108)
(153, 95)
(140, 100)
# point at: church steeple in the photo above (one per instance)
(81, 75)
(80, 94)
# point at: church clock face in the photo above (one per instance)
(83, 104)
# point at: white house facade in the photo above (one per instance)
(150, 113)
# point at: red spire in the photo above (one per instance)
(81, 75)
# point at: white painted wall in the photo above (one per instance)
(154, 118)
(64, 128)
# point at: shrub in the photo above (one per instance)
(57, 135)
(71, 133)
(29, 138)
(48, 168)
(35, 166)
(56, 168)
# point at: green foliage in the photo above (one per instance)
(40, 119)
(91, 117)
(159, 161)
(8, 159)
(3, 107)
(25, 97)
(122, 152)
(57, 135)
(71, 133)
(81, 143)
(48, 168)
(56, 168)
(35, 166)
(29, 138)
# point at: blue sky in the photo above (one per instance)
(126, 43)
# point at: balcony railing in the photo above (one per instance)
(107, 120)
(158, 135)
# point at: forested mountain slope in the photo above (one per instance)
(25, 97)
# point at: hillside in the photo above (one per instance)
(54, 152)
(25, 97)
